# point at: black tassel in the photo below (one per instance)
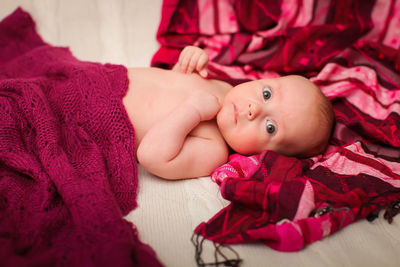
(391, 211)
(372, 216)
(198, 241)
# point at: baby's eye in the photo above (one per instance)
(267, 93)
(271, 127)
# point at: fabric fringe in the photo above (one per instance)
(198, 241)
(391, 211)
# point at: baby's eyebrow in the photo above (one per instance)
(270, 83)
(266, 85)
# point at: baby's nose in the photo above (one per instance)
(254, 110)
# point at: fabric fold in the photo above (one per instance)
(67, 167)
(352, 54)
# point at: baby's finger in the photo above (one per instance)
(201, 64)
(193, 63)
(203, 73)
(184, 59)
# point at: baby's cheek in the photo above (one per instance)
(249, 145)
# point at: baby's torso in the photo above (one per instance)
(154, 92)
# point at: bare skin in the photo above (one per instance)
(185, 123)
(173, 115)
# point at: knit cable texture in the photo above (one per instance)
(67, 167)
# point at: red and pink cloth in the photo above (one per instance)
(350, 49)
(67, 167)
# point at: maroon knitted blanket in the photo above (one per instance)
(350, 49)
(67, 167)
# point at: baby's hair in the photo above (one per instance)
(328, 116)
(326, 120)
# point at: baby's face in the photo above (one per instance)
(274, 114)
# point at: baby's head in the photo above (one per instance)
(288, 115)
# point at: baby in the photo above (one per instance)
(185, 123)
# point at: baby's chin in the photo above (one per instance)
(244, 150)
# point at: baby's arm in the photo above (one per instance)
(192, 59)
(174, 149)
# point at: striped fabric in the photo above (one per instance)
(350, 49)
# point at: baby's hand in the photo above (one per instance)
(191, 59)
(206, 104)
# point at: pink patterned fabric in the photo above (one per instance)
(67, 170)
(350, 49)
